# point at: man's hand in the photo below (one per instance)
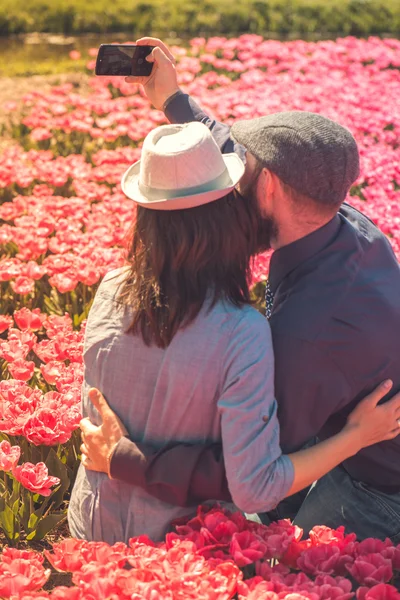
(162, 83)
(373, 422)
(100, 442)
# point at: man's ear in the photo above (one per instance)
(270, 181)
(267, 188)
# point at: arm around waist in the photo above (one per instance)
(180, 474)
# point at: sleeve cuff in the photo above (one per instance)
(181, 108)
(171, 99)
(128, 463)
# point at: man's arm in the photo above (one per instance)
(181, 108)
(162, 89)
(180, 474)
(185, 474)
(171, 473)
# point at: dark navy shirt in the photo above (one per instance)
(336, 335)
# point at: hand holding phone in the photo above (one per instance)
(125, 60)
(163, 81)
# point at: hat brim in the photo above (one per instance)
(130, 187)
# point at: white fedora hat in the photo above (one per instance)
(181, 167)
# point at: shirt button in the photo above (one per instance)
(265, 419)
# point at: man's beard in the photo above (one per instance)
(266, 232)
(267, 228)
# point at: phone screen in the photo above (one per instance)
(124, 60)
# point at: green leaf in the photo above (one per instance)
(15, 507)
(46, 525)
(257, 295)
(33, 521)
(24, 511)
(15, 496)
(52, 306)
(8, 523)
(35, 516)
(58, 469)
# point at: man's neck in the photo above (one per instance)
(291, 232)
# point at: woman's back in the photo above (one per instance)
(163, 395)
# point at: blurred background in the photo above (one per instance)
(43, 37)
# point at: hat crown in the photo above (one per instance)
(179, 157)
(313, 154)
(181, 167)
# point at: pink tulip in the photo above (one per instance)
(371, 569)
(66, 555)
(382, 591)
(9, 455)
(35, 478)
(20, 575)
(5, 322)
(21, 369)
(74, 55)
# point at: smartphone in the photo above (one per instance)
(123, 59)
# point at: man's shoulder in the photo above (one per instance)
(361, 227)
(351, 286)
(356, 216)
(365, 253)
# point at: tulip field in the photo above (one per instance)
(63, 225)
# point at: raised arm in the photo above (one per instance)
(163, 91)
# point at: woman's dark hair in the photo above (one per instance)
(179, 258)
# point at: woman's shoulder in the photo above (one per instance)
(251, 314)
(245, 312)
(112, 281)
(249, 340)
(253, 324)
(237, 318)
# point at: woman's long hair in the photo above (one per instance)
(179, 258)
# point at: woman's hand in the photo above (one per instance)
(369, 423)
(98, 443)
(162, 83)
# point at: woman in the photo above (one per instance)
(179, 352)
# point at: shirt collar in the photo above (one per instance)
(286, 259)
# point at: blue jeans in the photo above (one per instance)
(337, 499)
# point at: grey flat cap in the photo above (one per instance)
(314, 155)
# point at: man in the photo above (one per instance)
(333, 300)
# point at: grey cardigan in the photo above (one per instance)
(214, 382)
